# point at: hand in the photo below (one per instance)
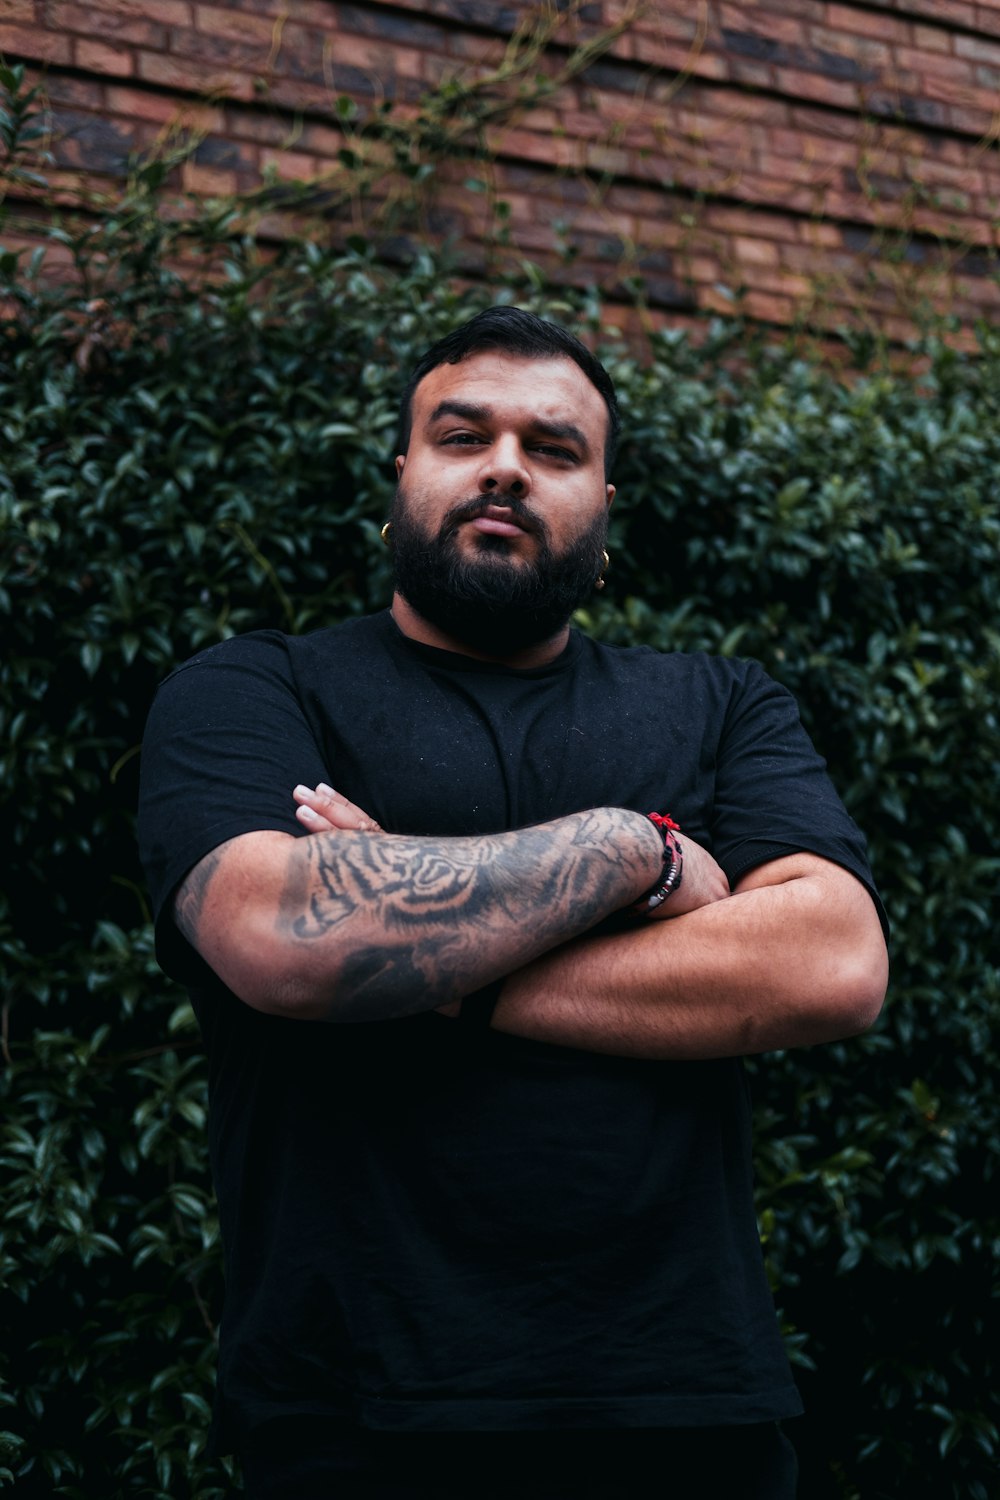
(702, 882)
(322, 810)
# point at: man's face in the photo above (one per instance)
(501, 512)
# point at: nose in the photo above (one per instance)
(504, 470)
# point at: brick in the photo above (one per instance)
(905, 107)
(91, 142)
(383, 26)
(102, 25)
(817, 234)
(216, 151)
(949, 94)
(292, 166)
(158, 109)
(975, 122)
(627, 199)
(847, 18)
(581, 125)
(868, 53)
(786, 283)
(208, 181)
(756, 252)
(673, 57)
(749, 74)
(321, 140)
(701, 267)
(660, 22)
(187, 75)
(951, 12)
(806, 10)
(932, 38)
(978, 50)
(828, 91)
(238, 26)
(777, 27)
(797, 200)
(297, 94)
(823, 150)
(246, 57)
(936, 64)
(483, 13)
(119, 17)
(350, 51)
(35, 45)
(746, 222)
(800, 169)
(263, 129)
(752, 44)
(170, 12)
(98, 57)
(481, 49)
(525, 146)
(19, 10)
(82, 93)
(547, 120)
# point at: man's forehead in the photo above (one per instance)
(549, 387)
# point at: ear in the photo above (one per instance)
(610, 491)
(400, 461)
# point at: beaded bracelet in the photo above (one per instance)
(673, 865)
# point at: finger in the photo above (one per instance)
(335, 808)
(344, 813)
(313, 821)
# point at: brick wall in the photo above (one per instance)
(831, 161)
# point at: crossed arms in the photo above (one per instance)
(353, 924)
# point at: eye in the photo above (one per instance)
(461, 439)
(552, 450)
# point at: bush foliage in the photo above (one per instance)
(185, 456)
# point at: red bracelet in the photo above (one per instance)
(673, 865)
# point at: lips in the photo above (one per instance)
(496, 521)
(502, 516)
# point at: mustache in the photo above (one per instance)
(470, 510)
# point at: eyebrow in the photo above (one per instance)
(474, 411)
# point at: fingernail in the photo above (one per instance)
(326, 790)
(307, 814)
(301, 791)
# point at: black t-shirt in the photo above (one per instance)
(433, 1227)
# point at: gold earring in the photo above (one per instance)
(384, 534)
(606, 565)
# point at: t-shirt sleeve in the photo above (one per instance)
(226, 741)
(773, 796)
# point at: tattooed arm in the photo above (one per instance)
(796, 956)
(353, 924)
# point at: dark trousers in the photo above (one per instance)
(733, 1463)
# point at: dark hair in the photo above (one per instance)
(518, 332)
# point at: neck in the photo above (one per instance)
(416, 628)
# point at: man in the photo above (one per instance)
(479, 1128)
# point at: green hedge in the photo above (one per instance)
(184, 457)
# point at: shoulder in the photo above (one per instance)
(277, 655)
(694, 672)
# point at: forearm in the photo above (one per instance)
(782, 965)
(352, 926)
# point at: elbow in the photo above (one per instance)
(854, 992)
(284, 994)
(299, 983)
(268, 974)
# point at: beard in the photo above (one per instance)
(496, 604)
